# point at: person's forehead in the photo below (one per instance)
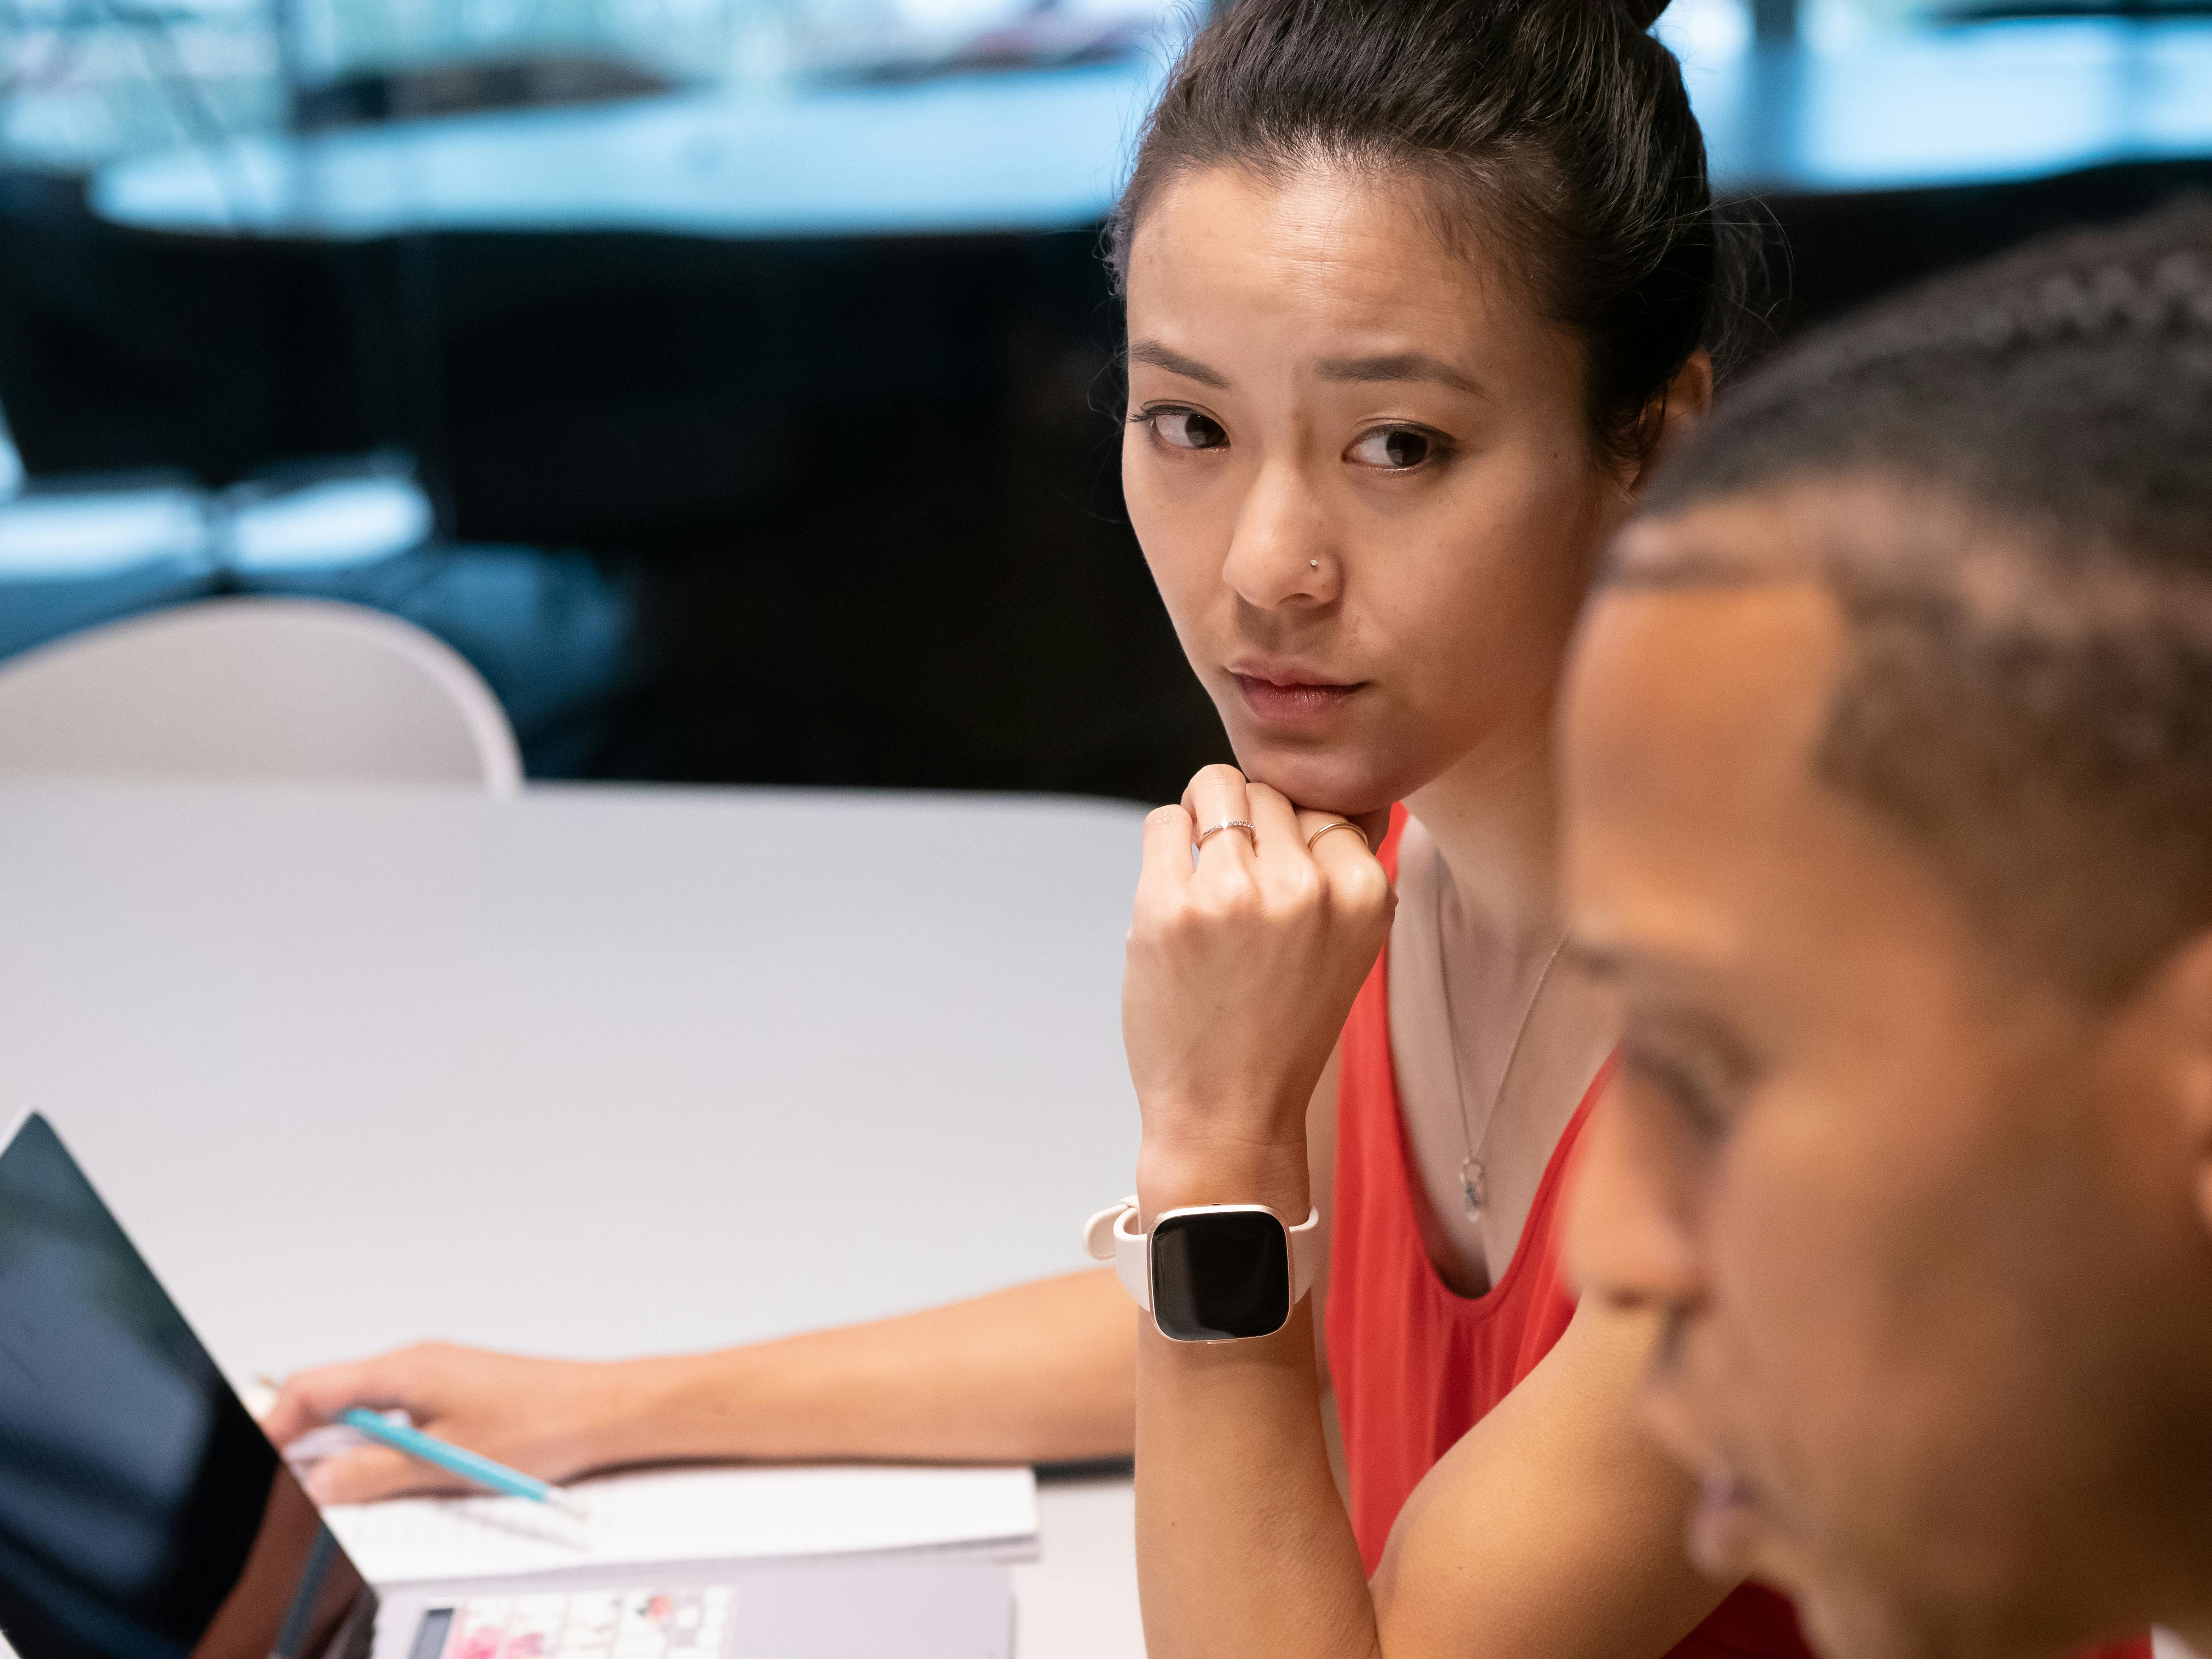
(1349, 252)
(1706, 849)
(1693, 715)
(1710, 664)
(1706, 697)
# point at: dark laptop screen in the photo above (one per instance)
(142, 1513)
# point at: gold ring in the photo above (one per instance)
(1342, 823)
(1251, 830)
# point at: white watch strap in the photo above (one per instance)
(1112, 1236)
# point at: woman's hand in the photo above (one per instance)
(535, 1415)
(1241, 971)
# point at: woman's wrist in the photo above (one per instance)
(1185, 1171)
(643, 1410)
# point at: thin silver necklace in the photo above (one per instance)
(1473, 1178)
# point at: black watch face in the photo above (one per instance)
(1219, 1276)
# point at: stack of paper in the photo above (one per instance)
(696, 1515)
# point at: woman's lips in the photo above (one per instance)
(1293, 702)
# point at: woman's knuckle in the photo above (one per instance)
(1376, 897)
(1154, 924)
(1175, 919)
(1233, 897)
(1242, 898)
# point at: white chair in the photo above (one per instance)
(256, 688)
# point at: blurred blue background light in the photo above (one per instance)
(1882, 110)
(1033, 150)
(1843, 105)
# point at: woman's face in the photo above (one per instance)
(1358, 463)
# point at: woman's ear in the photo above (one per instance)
(1688, 400)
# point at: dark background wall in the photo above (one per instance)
(863, 493)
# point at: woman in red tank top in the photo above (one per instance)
(1373, 451)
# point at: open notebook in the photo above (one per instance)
(697, 1514)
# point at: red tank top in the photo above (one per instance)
(1416, 1365)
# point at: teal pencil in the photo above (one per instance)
(455, 1460)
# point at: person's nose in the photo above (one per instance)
(1283, 552)
(1629, 1237)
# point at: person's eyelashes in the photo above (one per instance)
(1182, 428)
(1401, 448)
(1701, 1084)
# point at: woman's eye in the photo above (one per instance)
(1186, 428)
(1395, 448)
(1703, 1089)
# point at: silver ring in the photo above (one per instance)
(1342, 823)
(1251, 830)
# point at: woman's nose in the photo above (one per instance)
(1282, 553)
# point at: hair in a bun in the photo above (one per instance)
(1557, 130)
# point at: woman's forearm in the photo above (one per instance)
(1244, 1545)
(1242, 963)
(1043, 1372)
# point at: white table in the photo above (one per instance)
(597, 1071)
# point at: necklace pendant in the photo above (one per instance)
(1474, 1187)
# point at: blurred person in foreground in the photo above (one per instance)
(1888, 760)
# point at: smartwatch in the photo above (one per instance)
(1216, 1272)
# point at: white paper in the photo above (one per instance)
(690, 1515)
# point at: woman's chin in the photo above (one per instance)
(1349, 786)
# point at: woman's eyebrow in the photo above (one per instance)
(1402, 366)
(1160, 356)
(1661, 960)
(1591, 958)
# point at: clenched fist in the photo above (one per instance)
(1243, 964)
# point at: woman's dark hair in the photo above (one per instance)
(1556, 132)
(2026, 687)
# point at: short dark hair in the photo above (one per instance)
(1560, 126)
(2029, 689)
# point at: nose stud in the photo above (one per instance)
(1313, 564)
